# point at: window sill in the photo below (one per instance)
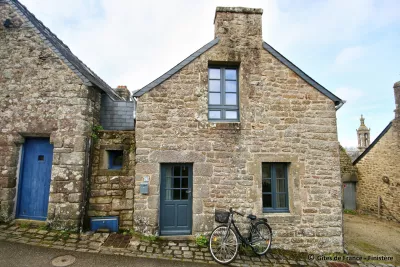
(224, 125)
(280, 217)
(286, 211)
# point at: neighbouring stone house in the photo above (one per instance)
(378, 170)
(238, 125)
(49, 103)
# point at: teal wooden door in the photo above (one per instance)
(176, 199)
(34, 184)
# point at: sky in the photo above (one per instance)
(351, 47)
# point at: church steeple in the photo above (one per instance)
(363, 135)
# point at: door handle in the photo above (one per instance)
(189, 191)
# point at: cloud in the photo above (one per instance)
(349, 55)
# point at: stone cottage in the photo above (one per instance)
(378, 170)
(50, 102)
(236, 124)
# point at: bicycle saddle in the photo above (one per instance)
(252, 217)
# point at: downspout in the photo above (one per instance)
(341, 199)
(86, 182)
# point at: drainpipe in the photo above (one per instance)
(86, 182)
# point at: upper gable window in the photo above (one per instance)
(223, 94)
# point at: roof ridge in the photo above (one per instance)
(177, 68)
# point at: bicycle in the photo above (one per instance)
(224, 239)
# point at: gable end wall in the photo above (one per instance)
(282, 119)
(381, 161)
(41, 96)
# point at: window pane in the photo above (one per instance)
(266, 170)
(185, 182)
(215, 86)
(168, 194)
(169, 182)
(281, 201)
(214, 73)
(230, 99)
(266, 185)
(185, 194)
(177, 194)
(230, 114)
(231, 86)
(267, 201)
(214, 114)
(280, 170)
(177, 170)
(280, 185)
(168, 171)
(230, 74)
(185, 171)
(177, 182)
(215, 98)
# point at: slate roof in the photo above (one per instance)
(373, 143)
(266, 46)
(175, 69)
(88, 77)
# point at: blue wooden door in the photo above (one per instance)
(34, 185)
(176, 199)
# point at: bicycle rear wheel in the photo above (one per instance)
(223, 244)
(261, 238)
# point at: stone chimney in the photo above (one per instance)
(239, 25)
(122, 91)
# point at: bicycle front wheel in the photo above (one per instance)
(223, 244)
(261, 238)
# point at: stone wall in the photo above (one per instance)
(378, 173)
(41, 96)
(282, 119)
(347, 169)
(111, 191)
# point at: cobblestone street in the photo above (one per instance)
(119, 244)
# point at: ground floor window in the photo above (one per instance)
(275, 187)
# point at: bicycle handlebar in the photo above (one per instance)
(238, 213)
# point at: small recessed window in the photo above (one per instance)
(41, 158)
(115, 159)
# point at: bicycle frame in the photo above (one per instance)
(237, 231)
